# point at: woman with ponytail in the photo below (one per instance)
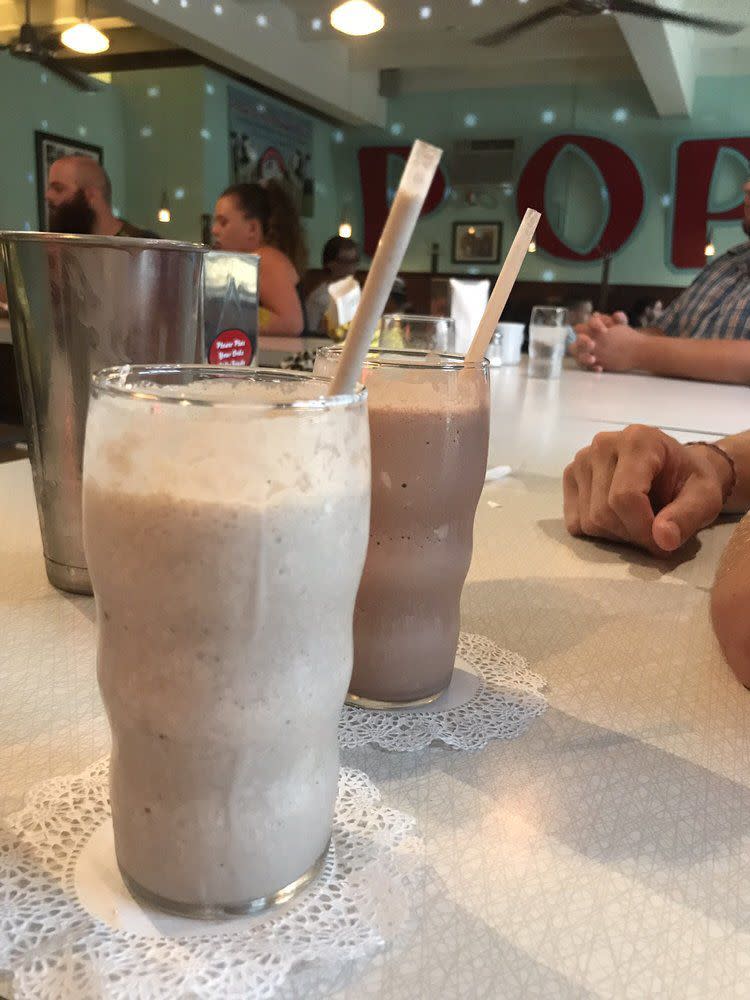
(262, 219)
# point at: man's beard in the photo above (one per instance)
(73, 216)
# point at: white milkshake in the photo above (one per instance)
(225, 544)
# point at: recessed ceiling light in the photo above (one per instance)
(218, 9)
(470, 120)
(45, 123)
(146, 132)
(82, 130)
(548, 116)
(153, 91)
(184, 3)
(316, 24)
(179, 193)
(205, 134)
(548, 275)
(396, 128)
(666, 200)
(210, 89)
(262, 21)
(357, 17)
(338, 136)
(476, 3)
(260, 108)
(620, 115)
(425, 13)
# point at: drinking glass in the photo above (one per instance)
(429, 431)
(225, 517)
(400, 331)
(548, 332)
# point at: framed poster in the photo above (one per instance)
(268, 139)
(477, 242)
(49, 148)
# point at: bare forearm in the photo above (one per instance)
(730, 600)
(706, 360)
(737, 446)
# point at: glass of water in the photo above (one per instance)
(548, 332)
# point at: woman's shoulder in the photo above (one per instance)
(272, 257)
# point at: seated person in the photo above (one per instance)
(645, 313)
(643, 487)
(251, 218)
(579, 311)
(340, 259)
(704, 334)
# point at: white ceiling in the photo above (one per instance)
(591, 47)
(339, 75)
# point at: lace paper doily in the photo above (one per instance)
(56, 948)
(493, 696)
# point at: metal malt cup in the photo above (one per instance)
(78, 304)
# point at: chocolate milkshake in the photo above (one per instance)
(225, 544)
(429, 431)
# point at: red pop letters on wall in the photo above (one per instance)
(373, 173)
(696, 161)
(623, 184)
(695, 165)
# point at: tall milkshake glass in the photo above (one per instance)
(225, 529)
(429, 431)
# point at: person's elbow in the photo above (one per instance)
(730, 601)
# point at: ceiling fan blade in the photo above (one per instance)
(82, 81)
(648, 10)
(504, 34)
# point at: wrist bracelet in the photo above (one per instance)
(729, 489)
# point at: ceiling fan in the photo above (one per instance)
(588, 8)
(34, 47)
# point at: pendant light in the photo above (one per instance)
(357, 17)
(709, 250)
(84, 37)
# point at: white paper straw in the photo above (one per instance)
(503, 286)
(415, 183)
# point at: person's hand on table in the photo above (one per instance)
(607, 343)
(643, 487)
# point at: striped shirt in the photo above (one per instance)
(717, 304)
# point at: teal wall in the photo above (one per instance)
(325, 221)
(163, 118)
(573, 200)
(32, 99)
(169, 130)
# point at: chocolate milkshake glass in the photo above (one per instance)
(429, 430)
(225, 518)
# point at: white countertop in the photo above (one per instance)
(605, 853)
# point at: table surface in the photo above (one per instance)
(606, 852)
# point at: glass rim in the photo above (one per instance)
(110, 382)
(419, 316)
(400, 359)
(113, 242)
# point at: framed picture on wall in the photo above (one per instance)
(49, 148)
(477, 242)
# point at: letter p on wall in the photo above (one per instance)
(695, 164)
